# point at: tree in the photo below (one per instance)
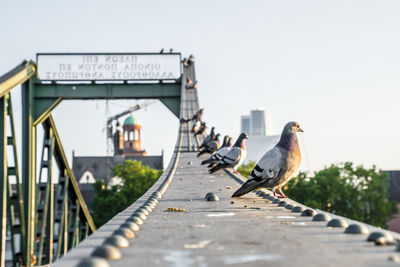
(353, 192)
(136, 180)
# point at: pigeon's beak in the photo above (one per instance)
(300, 130)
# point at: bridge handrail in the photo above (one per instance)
(17, 75)
(59, 153)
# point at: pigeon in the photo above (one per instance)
(211, 147)
(196, 126)
(202, 130)
(234, 157)
(226, 145)
(278, 165)
(198, 115)
(208, 138)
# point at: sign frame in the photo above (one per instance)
(112, 54)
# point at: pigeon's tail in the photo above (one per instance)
(207, 161)
(212, 164)
(248, 186)
(217, 168)
(201, 152)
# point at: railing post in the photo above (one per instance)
(3, 178)
(28, 172)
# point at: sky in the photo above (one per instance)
(333, 66)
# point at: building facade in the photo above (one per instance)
(127, 144)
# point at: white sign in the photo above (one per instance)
(108, 67)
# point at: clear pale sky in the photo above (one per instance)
(333, 66)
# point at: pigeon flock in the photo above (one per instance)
(274, 169)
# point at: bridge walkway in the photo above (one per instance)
(183, 229)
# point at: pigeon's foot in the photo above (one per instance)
(281, 196)
(236, 172)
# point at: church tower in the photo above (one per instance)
(132, 138)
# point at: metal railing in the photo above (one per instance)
(60, 216)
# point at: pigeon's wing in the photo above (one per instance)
(232, 157)
(269, 166)
(212, 146)
(221, 152)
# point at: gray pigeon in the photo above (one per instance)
(234, 157)
(226, 144)
(208, 138)
(211, 147)
(196, 126)
(202, 130)
(278, 165)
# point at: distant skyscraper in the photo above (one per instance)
(257, 122)
(245, 124)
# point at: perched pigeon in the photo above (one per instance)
(202, 130)
(278, 165)
(198, 115)
(214, 159)
(211, 147)
(208, 138)
(234, 157)
(196, 126)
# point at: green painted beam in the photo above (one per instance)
(28, 172)
(3, 179)
(107, 91)
(173, 104)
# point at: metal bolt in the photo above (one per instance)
(93, 262)
(142, 210)
(282, 203)
(356, 229)
(289, 206)
(135, 219)
(108, 252)
(298, 209)
(380, 238)
(308, 212)
(131, 225)
(321, 217)
(157, 194)
(125, 232)
(140, 215)
(118, 241)
(211, 197)
(337, 223)
(276, 201)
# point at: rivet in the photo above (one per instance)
(380, 238)
(190, 163)
(211, 197)
(125, 232)
(298, 209)
(108, 252)
(308, 212)
(356, 229)
(148, 206)
(157, 194)
(131, 225)
(93, 262)
(135, 219)
(118, 241)
(276, 201)
(289, 206)
(142, 210)
(140, 215)
(321, 217)
(282, 203)
(337, 223)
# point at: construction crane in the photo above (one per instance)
(131, 109)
